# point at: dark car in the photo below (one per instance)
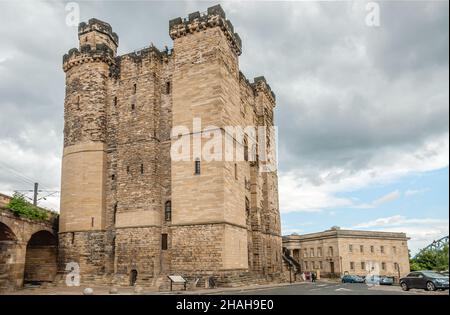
(352, 279)
(427, 280)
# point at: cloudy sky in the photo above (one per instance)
(362, 110)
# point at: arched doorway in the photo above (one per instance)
(40, 259)
(8, 259)
(133, 277)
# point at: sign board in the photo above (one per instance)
(177, 279)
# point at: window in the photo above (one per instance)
(306, 265)
(72, 238)
(383, 265)
(320, 265)
(313, 265)
(330, 251)
(115, 101)
(128, 169)
(113, 176)
(134, 88)
(382, 249)
(371, 249)
(394, 249)
(305, 253)
(350, 248)
(164, 241)
(311, 252)
(319, 252)
(396, 266)
(92, 221)
(168, 210)
(361, 248)
(247, 206)
(168, 87)
(197, 166)
(132, 106)
(114, 213)
(245, 150)
(142, 168)
(352, 265)
(363, 265)
(235, 171)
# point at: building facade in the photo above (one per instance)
(129, 212)
(336, 252)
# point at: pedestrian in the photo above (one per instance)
(313, 277)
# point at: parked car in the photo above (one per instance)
(352, 279)
(382, 280)
(427, 280)
(444, 273)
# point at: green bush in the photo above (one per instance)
(20, 207)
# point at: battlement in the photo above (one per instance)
(77, 56)
(196, 21)
(99, 26)
(260, 85)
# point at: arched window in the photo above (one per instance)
(168, 210)
(247, 206)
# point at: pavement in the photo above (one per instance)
(325, 287)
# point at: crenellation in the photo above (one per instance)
(196, 22)
(99, 26)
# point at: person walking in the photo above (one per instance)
(313, 277)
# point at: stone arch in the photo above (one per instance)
(41, 257)
(10, 269)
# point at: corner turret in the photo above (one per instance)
(97, 42)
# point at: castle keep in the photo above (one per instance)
(131, 214)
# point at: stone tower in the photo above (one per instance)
(129, 212)
(84, 164)
(206, 55)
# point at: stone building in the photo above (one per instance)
(129, 212)
(336, 252)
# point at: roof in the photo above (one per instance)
(338, 233)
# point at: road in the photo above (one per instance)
(327, 288)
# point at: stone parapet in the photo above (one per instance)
(196, 22)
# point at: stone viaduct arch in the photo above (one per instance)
(28, 251)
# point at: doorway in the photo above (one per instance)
(332, 267)
(133, 277)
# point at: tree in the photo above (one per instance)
(431, 259)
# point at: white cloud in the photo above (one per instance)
(413, 192)
(314, 190)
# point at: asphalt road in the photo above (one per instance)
(326, 288)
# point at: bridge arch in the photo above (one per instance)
(10, 266)
(41, 257)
